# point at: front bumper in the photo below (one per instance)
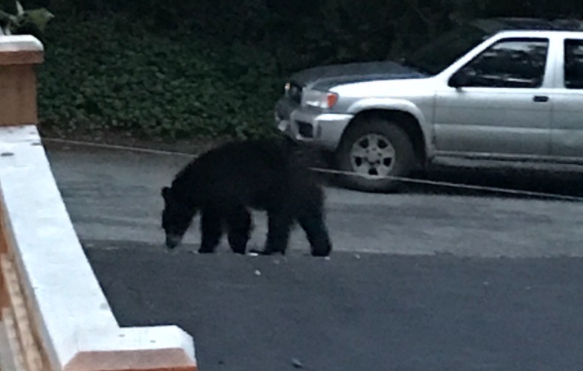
(322, 130)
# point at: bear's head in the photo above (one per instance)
(176, 217)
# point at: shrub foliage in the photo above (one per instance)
(216, 68)
(110, 73)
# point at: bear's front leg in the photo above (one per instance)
(239, 224)
(211, 230)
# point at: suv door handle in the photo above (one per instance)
(540, 98)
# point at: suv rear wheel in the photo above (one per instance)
(375, 147)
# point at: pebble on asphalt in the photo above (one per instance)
(296, 363)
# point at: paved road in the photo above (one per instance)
(503, 292)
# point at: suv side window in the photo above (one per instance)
(509, 63)
(573, 64)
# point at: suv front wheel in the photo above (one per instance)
(375, 147)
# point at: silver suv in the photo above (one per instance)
(495, 89)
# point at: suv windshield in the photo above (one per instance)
(441, 53)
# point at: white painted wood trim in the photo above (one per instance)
(69, 306)
(13, 43)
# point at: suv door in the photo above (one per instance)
(567, 119)
(499, 106)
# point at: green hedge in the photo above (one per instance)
(217, 67)
(111, 73)
(210, 68)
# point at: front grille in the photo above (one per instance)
(295, 92)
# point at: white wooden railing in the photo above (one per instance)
(54, 314)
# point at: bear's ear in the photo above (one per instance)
(165, 192)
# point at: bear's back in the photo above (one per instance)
(252, 172)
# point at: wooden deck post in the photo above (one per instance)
(18, 92)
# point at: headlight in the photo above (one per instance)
(320, 99)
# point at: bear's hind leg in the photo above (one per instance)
(239, 225)
(211, 230)
(317, 234)
(311, 220)
(279, 228)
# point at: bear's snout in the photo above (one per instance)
(172, 241)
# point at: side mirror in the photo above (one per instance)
(460, 79)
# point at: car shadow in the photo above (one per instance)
(517, 184)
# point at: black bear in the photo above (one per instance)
(227, 181)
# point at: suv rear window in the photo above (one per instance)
(574, 64)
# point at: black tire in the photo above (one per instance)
(403, 163)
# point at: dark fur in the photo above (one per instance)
(227, 181)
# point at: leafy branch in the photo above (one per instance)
(30, 21)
